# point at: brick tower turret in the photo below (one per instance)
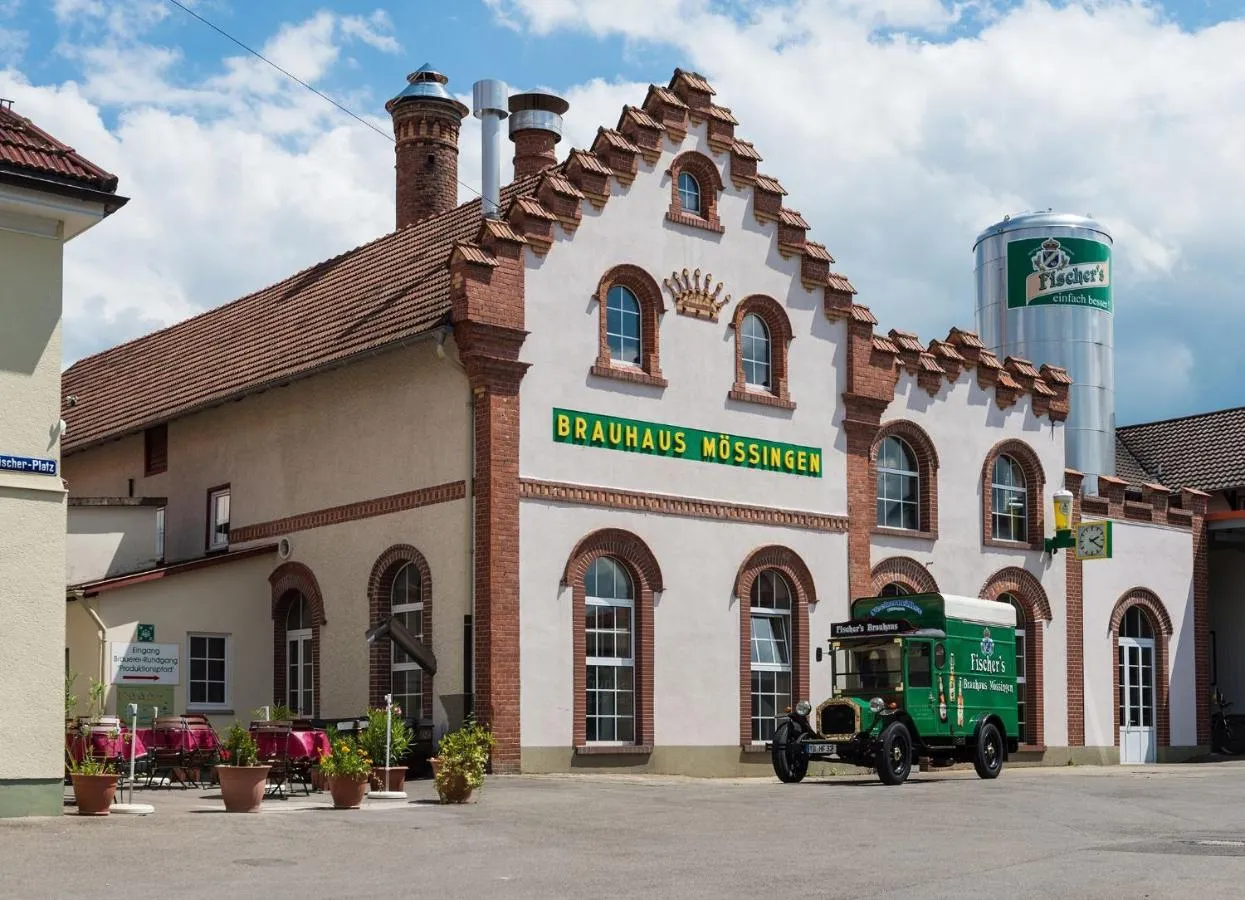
(426, 120)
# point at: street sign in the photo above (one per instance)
(33, 464)
(143, 663)
(146, 633)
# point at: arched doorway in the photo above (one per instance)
(299, 658)
(1138, 722)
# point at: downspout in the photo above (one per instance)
(471, 503)
(103, 634)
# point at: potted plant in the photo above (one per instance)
(242, 776)
(347, 767)
(462, 755)
(372, 741)
(94, 779)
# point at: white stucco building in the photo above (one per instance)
(48, 195)
(618, 455)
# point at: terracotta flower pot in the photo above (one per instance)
(392, 778)
(93, 794)
(319, 781)
(242, 787)
(348, 791)
(450, 788)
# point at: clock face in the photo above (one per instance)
(1091, 540)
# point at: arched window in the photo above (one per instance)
(406, 602)
(770, 613)
(1022, 655)
(689, 193)
(895, 589)
(1136, 624)
(755, 350)
(898, 486)
(622, 325)
(300, 662)
(1009, 507)
(609, 654)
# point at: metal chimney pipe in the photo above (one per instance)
(489, 105)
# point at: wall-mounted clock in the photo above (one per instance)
(1093, 540)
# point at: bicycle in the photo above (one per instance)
(1225, 736)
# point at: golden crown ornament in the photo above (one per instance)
(692, 296)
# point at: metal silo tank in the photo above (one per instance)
(1044, 293)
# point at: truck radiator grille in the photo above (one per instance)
(838, 718)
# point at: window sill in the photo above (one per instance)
(633, 376)
(915, 534)
(681, 218)
(613, 750)
(1011, 545)
(745, 396)
(210, 710)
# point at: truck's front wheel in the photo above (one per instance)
(790, 760)
(894, 760)
(988, 760)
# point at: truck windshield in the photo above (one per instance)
(867, 667)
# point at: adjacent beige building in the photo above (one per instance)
(48, 195)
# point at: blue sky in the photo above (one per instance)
(901, 128)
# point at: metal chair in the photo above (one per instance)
(276, 755)
(170, 753)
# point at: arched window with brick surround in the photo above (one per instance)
(774, 589)
(903, 466)
(613, 576)
(901, 575)
(630, 306)
(1012, 490)
(400, 585)
(1141, 631)
(695, 186)
(1023, 591)
(762, 339)
(297, 620)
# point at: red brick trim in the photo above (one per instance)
(1075, 615)
(379, 586)
(652, 306)
(1034, 610)
(1035, 492)
(636, 557)
(804, 594)
(709, 179)
(1161, 625)
(906, 571)
(288, 581)
(1196, 502)
(769, 311)
(686, 507)
(363, 509)
(922, 447)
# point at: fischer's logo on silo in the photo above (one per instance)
(1050, 272)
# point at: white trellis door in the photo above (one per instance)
(1138, 732)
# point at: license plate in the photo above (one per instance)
(819, 749)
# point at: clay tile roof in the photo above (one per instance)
(723, 114)
(1022, 366)
(1204, 451)
(839, 283)
(884, 345)
(590, 162)
(666, 96)
(946, 351)
(642, 118)
(862, 314)
(501, 230)
(907, 340)
(560, 184)
(817, 251)
(1128, 466)
(1056, 374)
(1040, 387)
(618, 140)
(694, 79)
(967, 338)
(474, 253)
(385, 291)
(746, 150)
(791, 217)
(27, 149)
(1006, 381)
(533, 207)
(989, 360)
(766, 183)
(927, 362)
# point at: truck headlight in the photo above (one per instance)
(804, 707)
(876, 705)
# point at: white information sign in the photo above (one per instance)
(145, 663)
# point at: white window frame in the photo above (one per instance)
(693, 193)
(618, 299)
(766, 612)
(214, 540)
(410, 665)
(616, 662)
(748, 344)
(1008, 494)
(227, 703)
(160, 520)
(306, 662)
(903, 474)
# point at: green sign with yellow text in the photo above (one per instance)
(1059, 272)
(634, 436)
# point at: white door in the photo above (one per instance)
(300, 679)
(1138, 736)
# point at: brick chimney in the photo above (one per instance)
(426, 120)
(535, 128)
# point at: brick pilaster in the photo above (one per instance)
(1195, 501)
(1075, 611)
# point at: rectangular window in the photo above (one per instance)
(611, 670)
(920, 669)
(208, 685)
(160, 533)
(156, 450)
(218, 518)
(771, 669)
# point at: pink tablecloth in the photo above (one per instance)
(194, 738)
(301, 744)
(103, 746)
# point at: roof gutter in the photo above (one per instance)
(111, 201)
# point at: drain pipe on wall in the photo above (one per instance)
(103, 637)
(471, 505)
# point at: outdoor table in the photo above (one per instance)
(302, 744)
(196, 737)
(103, 745)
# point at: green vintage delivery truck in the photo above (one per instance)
(914, 676)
